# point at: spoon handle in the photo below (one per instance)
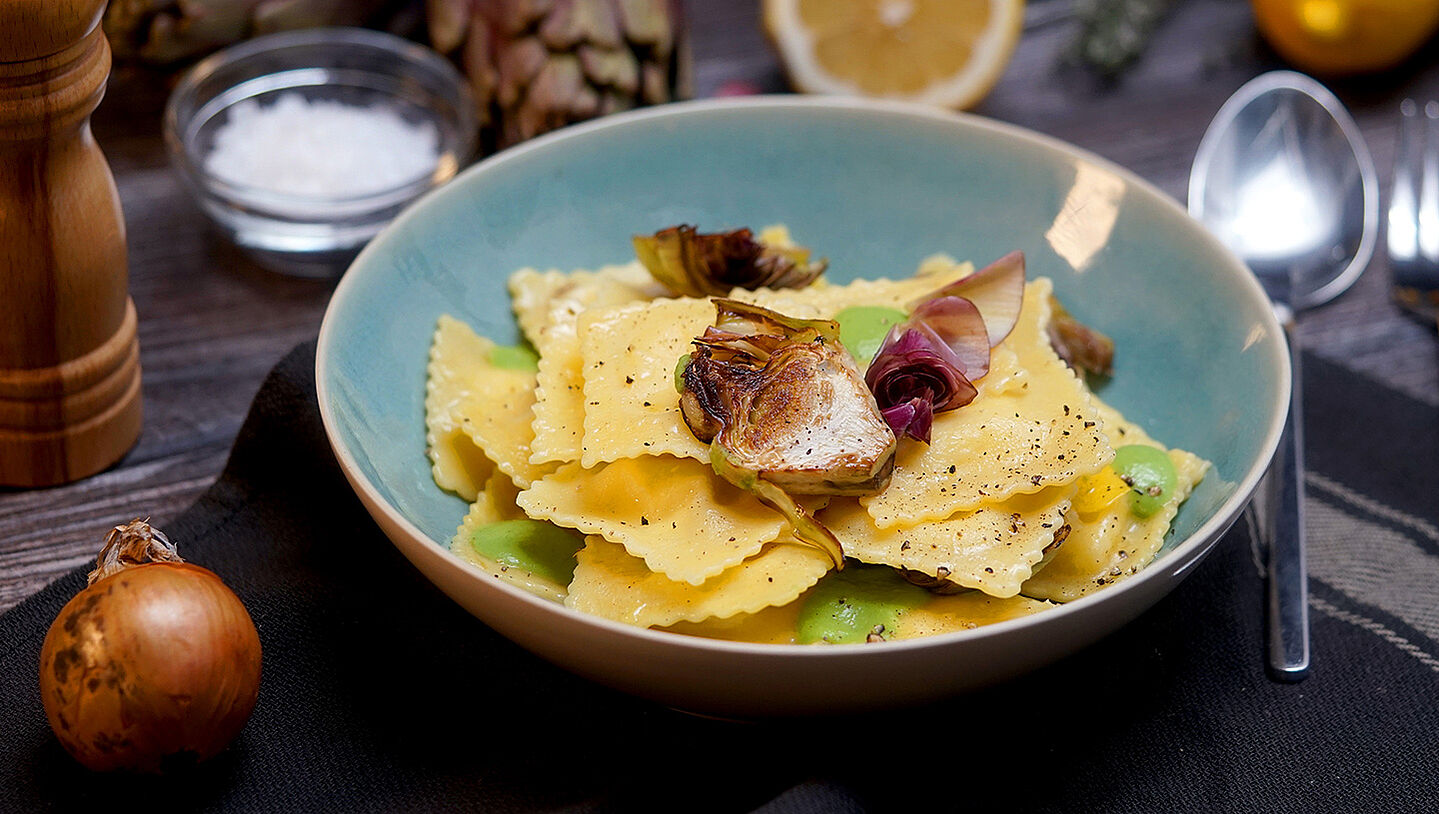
(1287, 600)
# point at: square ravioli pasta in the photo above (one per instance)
(609, 582)
(584, 462)
(672, 513)
(547, 307)
(627, 358)
(478, 406)
(993, 549)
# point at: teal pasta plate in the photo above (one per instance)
(579, 507)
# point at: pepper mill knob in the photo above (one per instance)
(69, 359)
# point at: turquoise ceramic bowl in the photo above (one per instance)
(875, 188)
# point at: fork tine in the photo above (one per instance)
(1429, 192)
(1413, 233)
(1402, 234)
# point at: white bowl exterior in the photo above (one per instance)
(735, 680)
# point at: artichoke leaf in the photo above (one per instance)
(929, 363)
(806, 528)
(742, 318)
(699, 264)
(918, 372)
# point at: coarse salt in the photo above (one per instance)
(321, 149)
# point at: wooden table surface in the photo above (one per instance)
(212, 323)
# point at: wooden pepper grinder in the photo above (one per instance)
(69, 359)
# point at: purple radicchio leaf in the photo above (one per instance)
(916, 365)
(914, 418)
(957, 322)
(997, 290)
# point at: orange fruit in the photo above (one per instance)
(947, 53)
(1342, 37)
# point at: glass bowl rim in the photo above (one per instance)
(260, 198)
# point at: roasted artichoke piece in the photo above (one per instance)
(1084, 349)
(714, 264)
(785, 412)
(784, 400)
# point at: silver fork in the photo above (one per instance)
(1413, 227)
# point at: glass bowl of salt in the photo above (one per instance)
(303, 145)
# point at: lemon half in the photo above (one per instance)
(948, 53)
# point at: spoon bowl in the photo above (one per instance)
(1283, 178)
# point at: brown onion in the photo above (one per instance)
(156, 664)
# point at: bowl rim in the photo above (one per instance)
(1184, 555)
(191, 168)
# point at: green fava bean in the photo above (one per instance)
(514, 357)
(684, 362)
(541, 548)
(847, 606)
(1151, 475)
(862, 328)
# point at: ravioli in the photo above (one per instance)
(671, 512)
(992, 548)
(490, 404)
(547, 306)
(824, 302)
(967, 611)
(549, 301)
(559, 413)
(1114, 544)
(458, 359)
(628, 357)
(611, 583)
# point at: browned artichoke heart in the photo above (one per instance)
(784, 400)
(785, 412)
(714, 264)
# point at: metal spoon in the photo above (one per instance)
(1283, 177)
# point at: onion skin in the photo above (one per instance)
(150, 669)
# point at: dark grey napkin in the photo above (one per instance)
(379, 694)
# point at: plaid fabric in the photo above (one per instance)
(379, 694)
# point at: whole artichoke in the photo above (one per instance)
(163, 32)
(537, 65)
